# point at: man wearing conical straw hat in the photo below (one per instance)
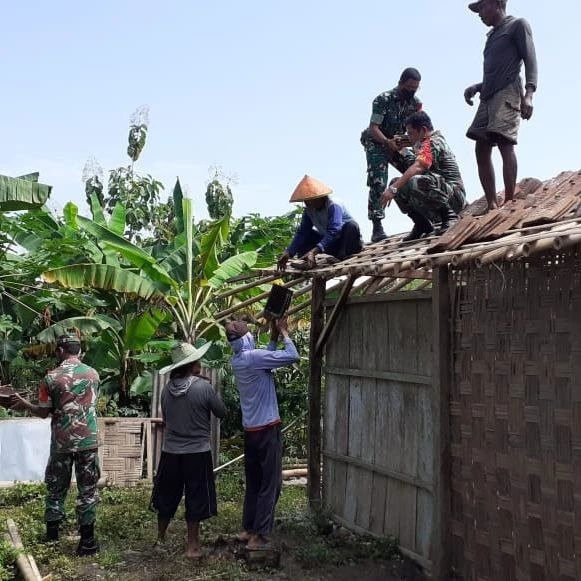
(326, 226)
(185, 465)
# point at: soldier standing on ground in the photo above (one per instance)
(502, 103)
(389, 112)
(69, 394)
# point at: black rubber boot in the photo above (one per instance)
(378, 233)
(52, 531)
(422, 227)
(449, 218)
(88, 544)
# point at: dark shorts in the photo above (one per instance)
(498, 119)
(191, 474)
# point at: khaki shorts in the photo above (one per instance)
(498, 118)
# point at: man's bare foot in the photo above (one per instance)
(257, 542)
(507, 202)
(194, 552)
(243, 537)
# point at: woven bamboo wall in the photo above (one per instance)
(516, 421)
(121, 449)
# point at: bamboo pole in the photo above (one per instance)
(25, 563)
(238, 289)
(492, 256)
(563, 242)
(542, 245)
(315, 376)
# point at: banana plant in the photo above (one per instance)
(119, 347)
(181, 278)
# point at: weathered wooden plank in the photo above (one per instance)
(389, 297)
(425, 336)
(357, 330)
(409, 463)
(368, 440)
(330, 414)
(339, 487)
(342, 414)
(356, 417)
(314, 421)
(378, 496)
(394, 409)
(408, 498)
(424, 522)
(423, 562)
(350, 501)
(387, 375)
(403, 344)
(339, 343)
(440, 549)
(393, 474)
(393, 508)
(425, 434)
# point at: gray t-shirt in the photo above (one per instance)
(508, 45)
(186, 404)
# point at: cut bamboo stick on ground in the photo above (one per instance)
(25, 563)
(296, 473)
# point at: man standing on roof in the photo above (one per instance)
(502, 102)
(185, 466)
(389, 112)
(261, 421)
(69, 394)
(432, 184)
(326, 226)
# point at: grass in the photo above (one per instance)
(126, 529)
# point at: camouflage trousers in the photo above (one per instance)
(429, 194)
(378, 161)
(58, 480)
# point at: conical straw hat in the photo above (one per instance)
(310, 188)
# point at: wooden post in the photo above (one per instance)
(216, 376)
(442, 375)
(315, 370)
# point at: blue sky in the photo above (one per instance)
(266, 90)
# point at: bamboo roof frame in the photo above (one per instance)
(545, 216)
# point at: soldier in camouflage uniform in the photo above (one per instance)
(69, 394)
(431, 188)
(389, 112)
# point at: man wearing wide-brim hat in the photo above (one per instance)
(326, 226)
(187, 402)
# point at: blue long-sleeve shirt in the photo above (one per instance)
(328, 221)
(254, 380)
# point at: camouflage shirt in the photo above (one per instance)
(390, 112)
(435, 154)
(70, 391)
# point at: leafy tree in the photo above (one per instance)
(139, 194)
(181, 277)
(219, 199)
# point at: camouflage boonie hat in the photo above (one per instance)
(68, 339)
